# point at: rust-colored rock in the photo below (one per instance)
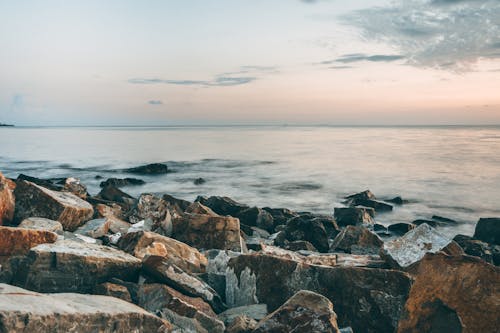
(453, 294)
(7, 201)
(33, 200)
(18, 241)
(113, 290)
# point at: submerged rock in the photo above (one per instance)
(353, 216)
(67, 208)
(40, 223)
(357, 240)
(488, 230)
(306, 311)
(149, 169)
(400, 228)
(18, 241)
(120, 182)
(7, 200)
(25, 311)
(199, 181)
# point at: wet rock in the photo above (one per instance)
(256, 217)
(205, 231)
(242, 324)
(305, 311)
(120, 182)
(47, 183)
(115, 195)
(40, 223)
(280, 215)
(67, 208)
(69, 266)
(7, 200)
(223, 205)
(300, 246)
(312, 231)
(199, 181)
(175, 205)
(165, 272)
(357, 240)
(474, 247)
(488, 230)
(113, 290)
(379, 228)
(18, 241)
(453, 294)
(253, 311)
(397, 200)
(149, 169)
(422, 221)
(144, 243)
(368, 300)
(190, 314)
(73, 185)
(94, 228)
(151, 207)
(25, 311)
(353, 216)
(406, 251)
(367, 199)
(443, 219)
(357, 197)
(400, 228)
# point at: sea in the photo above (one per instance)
(450, 171)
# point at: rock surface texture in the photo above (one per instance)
(7, 201)
(18, 241)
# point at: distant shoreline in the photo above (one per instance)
(6, 125)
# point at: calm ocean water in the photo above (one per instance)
(448, 171)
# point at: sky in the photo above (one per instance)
(373, 62)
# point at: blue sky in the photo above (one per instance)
(255, 61)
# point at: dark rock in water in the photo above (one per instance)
(7, 200)
(367, 199)
(257, 217)
(114, 194)
(151, 207)
(305, 311)
(357, 240)
(280, 215)
(47, 183)
(300, 246)
(365, 195)
(26, 311)
(397, 200)
(474, 247)
(149, 169)
(113, 290)
(378, 205)
(223, 205)
(312, 231)
(488, 230)
(357, 292)
(328, 222)
(199, 181)
(400, 228)
(353, 216)
(422, 221)
(442, 219)
(119, 182)
(241, 324)
(453, 294)
(379, 227)
(98, 177)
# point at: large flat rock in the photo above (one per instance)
(18, 241)
(25, 311)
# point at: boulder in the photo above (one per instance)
(144, 243)
(400, 228)
(40, 223)
(120, 182)
(453, 294)
(306, 311)
(36, 201)
(151, 207)
(198, 208)
(199, 181)
(25, 311)
(187, 313)
(280, 215)
(356, 197)
(94, 228)
(7, 200)
(474, 247)
(69, 266)
(353, 216)
(205, 231)
(111, 194)
(223, 205)
(357, 240)
(367, 299)
(397, 201)
(406, 251)
(73, 185)
(175, 205)
(18, 241)
(106, 210)
(242, 324)
(367, 199)
(312, 231)
(47, 183)
(257, 217)
(488, 230)
(117, 225)
(149, 169)
(113, 290)
(165, 272)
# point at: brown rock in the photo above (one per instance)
(144, 243)
(113, 290)
(40, 223)
(7, 201)
(73, 185)
(198, 208)
(94, 228)
(18, 241)
(67, 208)
(306, 311)
(357, 240)
(242, 324)
(154, 208)
(117, 225)
(453, 294)
(23, 311)
(103, 210)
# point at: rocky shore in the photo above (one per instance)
(110, 262)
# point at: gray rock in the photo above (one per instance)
(357, 240)
(353, 216)
(254, 311)
(40, 223)
(94, 228)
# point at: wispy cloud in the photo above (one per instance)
(356, 57)
(445, 34)
(155, 102)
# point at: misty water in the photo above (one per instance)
(448, 171)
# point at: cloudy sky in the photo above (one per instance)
(120, 62)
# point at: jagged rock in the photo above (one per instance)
(154, 208)
(222, 205)
(25, 311)
(256, 217)
(306, 311)
(312, 231)
(73, 185)
(353, 216)
(367, 199)
(488, 230)
(280, 215)
(149, 169)
(331, 227)
(205, 231)
(144, 243)
(94, 228)
(7, 200)
(242, 324)
(18, 241)
(378, 205)
(113, 209)
(189, 314)
(254, 311)
(69, 266)
(400, 228)
(300, 246)
(198, 208)
(453, 294)
(33, 200)
(474, 247)
(165, 272)
(40, 223)
(368, 300)
(117, 225)
(132, 287)
(175, 205)
(115, 195)
(199, 181)
(365, 195)
(113, 290)
(406, 251)
(357, 240)
(47, 183)
(119, 182)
